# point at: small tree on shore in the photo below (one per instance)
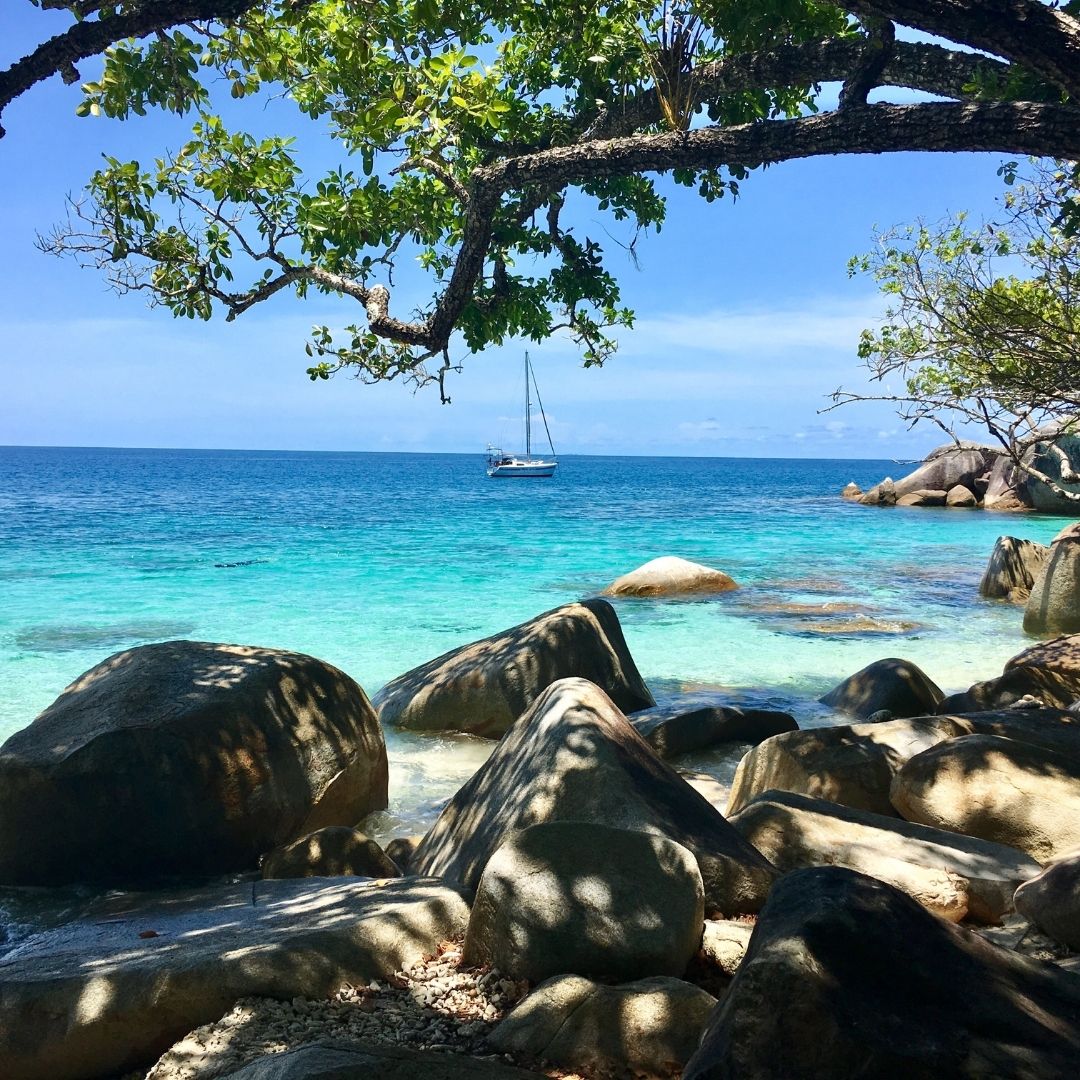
(983, 324)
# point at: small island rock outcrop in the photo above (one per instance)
(189, 758)
(482, 688)
(671, 576)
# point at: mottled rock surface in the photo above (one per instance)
(484, 687)
(187, 758)
(1054, 604)
(1013, 568)
(331, 852)
(898, 685)
(1052, 900)
(678, 728)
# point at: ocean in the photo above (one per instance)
(378, 562)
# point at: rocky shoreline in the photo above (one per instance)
(898, 894)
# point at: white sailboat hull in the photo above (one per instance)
(527, 468)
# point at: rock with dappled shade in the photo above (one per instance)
(847, 977)
(997, 789)
(670, 576)
(484, 687)
(574, 757)
(572, 897)
(1054, 604)
(953, 876)
(115, 989)
(852, 765)
(645, 1027)
(185, 758)
(1052, 900)
(894, 684)
(1014, 566)
(342, 1060)
(335, 851)
(723, 945)
(682, 728)
(1049, 671)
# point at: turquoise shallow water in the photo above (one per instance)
(377, 562)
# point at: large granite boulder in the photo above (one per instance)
(335, 851)
(956, 877)
(574, 757)
(997, 789)
(185, 758)
(114, 990)
(946, 467)
(671, 576)
(640, 1028)
(1013, 568)
(1054, 604)
(1006, 489)
(1058, 458)
(484, 687)
(899, 686)
(332, 1059)
(572, 897)
(685, 727)
(1052, 901)
(1048, 672)
(848, 978)
(961, 497)
(852, 765)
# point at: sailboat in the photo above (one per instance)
(502, 464)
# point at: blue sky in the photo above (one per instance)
(746, 319)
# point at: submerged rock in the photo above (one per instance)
(574, 757)
(571, 897)
(670, 576)
(114, 990)
(332, 852)
(897, 685)
(484, 687)
(847, 977)
(646, 1027)
(954, 876)
(1054, 604)
(185, 758)
(1013, 568)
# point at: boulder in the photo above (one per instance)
(847, 977)
(681, 728)
(1047, 458)
(648, 1027)
(953, 876)
(1013, 567)
(1052, 901)
(340, 1060)
(574, 757)
(883, 494)
(117, 988)
(851, 491)
(1054, 604)
(1006, 488)
(724, 944)
(997, 789)
(852, 765)
(400, 851)
(484, 687)
(571, 897)
(945, 468)
(897, 685)
(922, 497)
(961, 497)
(331, 852)
(670, 576)
(1048, 672)
(185, 758)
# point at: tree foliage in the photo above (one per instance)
(461, 128)
(983, 322)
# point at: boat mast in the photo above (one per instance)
(528, 412)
